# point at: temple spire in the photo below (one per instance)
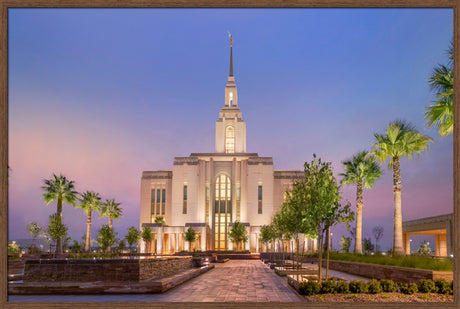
(231, 56)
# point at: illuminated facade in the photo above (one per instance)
(210, 191)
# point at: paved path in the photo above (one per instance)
(234, 281)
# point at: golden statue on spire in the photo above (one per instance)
(231, 38)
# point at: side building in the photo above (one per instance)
(210, 191)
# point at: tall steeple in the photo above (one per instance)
(230, 127)
(231, 95)
(231, 55)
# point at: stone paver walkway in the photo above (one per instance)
(234, 281)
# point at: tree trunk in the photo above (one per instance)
(109, 250)
(397, 231)
(359, 217)
(58, 244)
(88, 231)
(327, 251)
(320, 255)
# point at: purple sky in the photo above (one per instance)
(101, 95)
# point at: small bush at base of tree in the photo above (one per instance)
(328, 287)
(442, 286)
(426, 286)
(357, 286)
(374, 287)
(309, 288)
(408, 288)
(342, 287)
(388, 286)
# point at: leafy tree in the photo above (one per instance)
(266, 235)
(321, 199)
(35, 231)
(367, 245)
(190, 236)
(147, 237)
(106, 238)
(89, 201)
(111, 210)
(76, 247)
(361, 170)
(13, 248)
(424, 248)
(59, 190)
(132, 237)
(378, 233)
(121, 245)
(400, 140)
(441, 81)
(345, 243)
(56, 229)
(160, 220)
(238, 234)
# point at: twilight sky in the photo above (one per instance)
(101, 95)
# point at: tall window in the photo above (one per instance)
(184, 206)
(207, 206)
(230, 99)
(259, 204)
(238, 203)
(163, 201)
(158, 201)
(230, 139)
(222, 211)
(152, 204)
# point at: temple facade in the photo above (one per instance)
(209, 192)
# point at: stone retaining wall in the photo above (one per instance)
(376, 271)
(89, 270)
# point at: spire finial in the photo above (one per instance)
(231, 56)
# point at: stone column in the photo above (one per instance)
(203, 239)
(159, 236)
(248, 243)
(176, 239)
(257, 242)
(449, 237)
(437, 245)
(406, 243)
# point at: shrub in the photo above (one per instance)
(408, 288)
(328, 287)
(357, 286)
(442, 286)
(342, 287)
(374, 287)
(388, 286)
(310, 287)
(426, 286)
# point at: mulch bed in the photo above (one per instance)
(382, 298)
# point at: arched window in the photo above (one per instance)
(230, 99)
(229, 139)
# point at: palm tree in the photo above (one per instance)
(110, 209)
(441, 114)
(89, 201)
(59, 190)
(362, 170)
(400, 140)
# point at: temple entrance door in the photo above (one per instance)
(222, 212)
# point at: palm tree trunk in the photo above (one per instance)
(397, 231)
(109, 249)
(88, 231)
(58, 248)
(359, 217)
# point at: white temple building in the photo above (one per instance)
(210, 191)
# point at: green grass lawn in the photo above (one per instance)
(402, 261)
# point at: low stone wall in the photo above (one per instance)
(275, 256)
(89, 270)
(398, 274)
